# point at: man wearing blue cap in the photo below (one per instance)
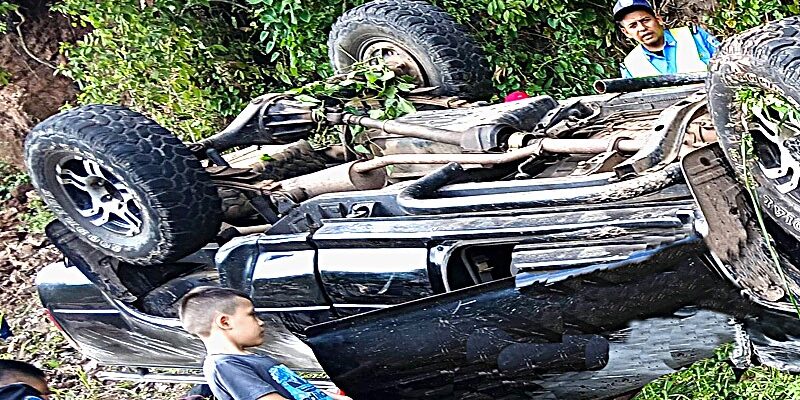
(660, 51)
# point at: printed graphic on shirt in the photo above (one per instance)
(299, 388)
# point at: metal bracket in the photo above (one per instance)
(603, 162)
(664, 143)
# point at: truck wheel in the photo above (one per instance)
(417, 38)
(754, 95)
(124, 183)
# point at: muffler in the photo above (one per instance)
(342, 178)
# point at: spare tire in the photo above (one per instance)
(123, 183)
(762, 64)
(421, 38)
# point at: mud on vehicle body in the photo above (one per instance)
(533, 249)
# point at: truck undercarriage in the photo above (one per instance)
(531, 249)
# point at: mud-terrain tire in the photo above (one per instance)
(441, 49)
(123, 183)
(766, 58)
(163, 301)
(295, 160)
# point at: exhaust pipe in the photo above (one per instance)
(416, 198)
(341, 178)
(618, 85)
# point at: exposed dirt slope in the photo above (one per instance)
(27, 60)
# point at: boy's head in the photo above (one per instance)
(215, 312)
(12, 372)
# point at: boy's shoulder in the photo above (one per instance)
(215, 361)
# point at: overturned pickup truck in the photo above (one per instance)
(572, 249)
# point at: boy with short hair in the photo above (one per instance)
(225, 320)
(20, 380)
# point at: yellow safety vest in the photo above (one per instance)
(688, 57)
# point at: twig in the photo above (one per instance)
(25, 48)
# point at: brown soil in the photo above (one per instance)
(34, 92)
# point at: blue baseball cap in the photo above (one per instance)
(623, 7)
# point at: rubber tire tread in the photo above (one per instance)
(295, 160)
(180, 203)
(767, 57)
(452, 59)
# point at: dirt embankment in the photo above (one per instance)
(29, 89)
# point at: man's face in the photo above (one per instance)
(246, 329)
(644, 28)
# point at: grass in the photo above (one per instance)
(714, 379)
(10, 178)
(34, 215)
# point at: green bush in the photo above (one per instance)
(6, 9)
(737, 15)
(544, 46)
(193, 64)
(187, 64)
(10, 179)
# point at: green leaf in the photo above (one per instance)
(307, 99)
(405, 106)
(371, 77)
(361, 149)
(389, 93)
(387, 75)
(304, 16)
(270, 45)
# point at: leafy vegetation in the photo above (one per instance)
(737, 15)
(10, 179)
(6, 9)
(552, 46)
(370, 88)
(35, 215)
(5, 77)
(293, 34)
(715, 379)
(192, 64)
(187, 64)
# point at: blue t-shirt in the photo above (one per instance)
(250, 376)
(666, 64)
(19, 391)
